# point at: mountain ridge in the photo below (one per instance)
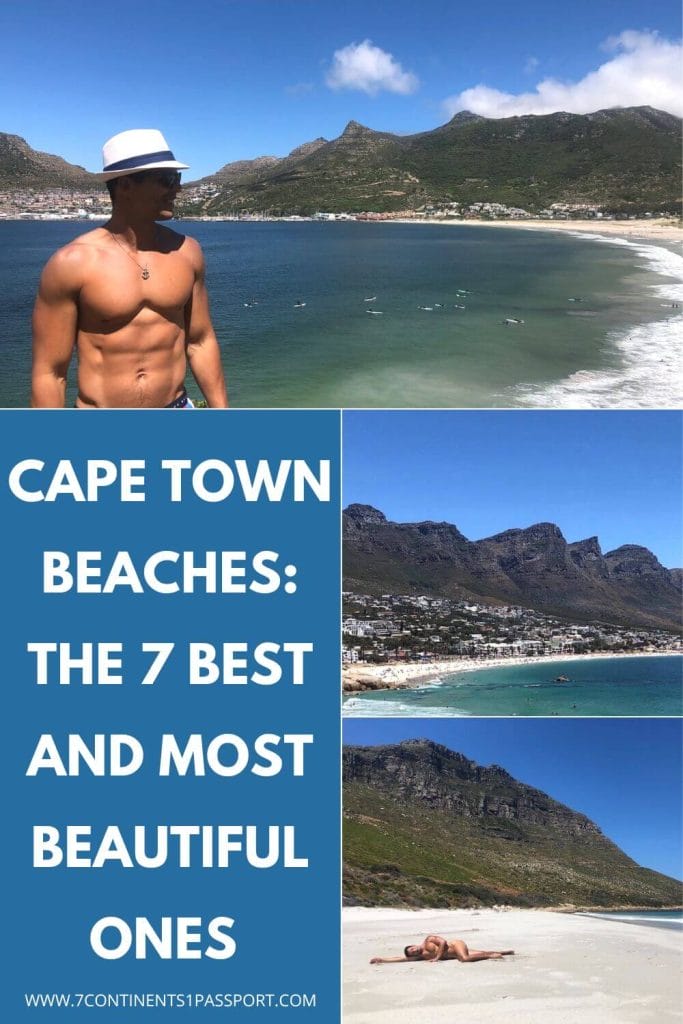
(21, 166)
(535, 567)
(624, 159)
(621, 157)
(426, 826)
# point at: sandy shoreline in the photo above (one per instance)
(357, 678)
(566, 968)
(647, 230)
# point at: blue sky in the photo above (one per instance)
(235, 79)
(616, 475)
(624, 774)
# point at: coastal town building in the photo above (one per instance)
(70, 204)
(406, 627)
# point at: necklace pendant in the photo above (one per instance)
(145, 273)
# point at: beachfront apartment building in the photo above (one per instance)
(376, 627)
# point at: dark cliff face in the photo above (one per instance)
(433, 775)
(537, 549)
(425, 826)
(363, 515)
(396, 556)
(535, 567)
(632, 562)
(587, 556)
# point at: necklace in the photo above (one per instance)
(145, 269)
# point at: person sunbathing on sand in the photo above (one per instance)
(436, 948)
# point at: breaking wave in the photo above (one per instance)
(650, 374)
(362, 707)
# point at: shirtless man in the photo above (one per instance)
(436, 948)
(129, 296)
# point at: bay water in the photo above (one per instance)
(369, 315)
(670, 919)
(630, 686)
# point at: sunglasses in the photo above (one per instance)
(169, 179)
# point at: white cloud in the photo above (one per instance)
(369, 69)
(645, 71)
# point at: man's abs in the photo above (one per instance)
(139, 366)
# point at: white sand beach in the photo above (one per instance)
(663, 230)
(566, 969)
(359, 677)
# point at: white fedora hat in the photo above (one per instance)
(140, 149)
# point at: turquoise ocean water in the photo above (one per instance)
(615, 347)
(597, 686)
(670, 919)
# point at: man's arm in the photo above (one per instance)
(203, 353)
(436, 946)
(392, 959)
(55, 318)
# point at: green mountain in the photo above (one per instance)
(24, 168)
(621, 159)
(426, 827)
(244, 170)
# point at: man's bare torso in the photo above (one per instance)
(131, 332)
(431, 948)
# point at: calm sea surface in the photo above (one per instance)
(597, 686)
(672, 919)
(614, 347)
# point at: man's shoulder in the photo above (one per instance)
(81, 250)
(173, 241)
(68, 265)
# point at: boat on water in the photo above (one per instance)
(561, 679)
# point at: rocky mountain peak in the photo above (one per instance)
(433, 775)
(534, 567)
(9, 143)
(308, 147)
(365, 514)
(359, 134)
(632, 560)
(586, 555)
(356, 128)
(538, 531)
(465, 117)
(589, 547)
